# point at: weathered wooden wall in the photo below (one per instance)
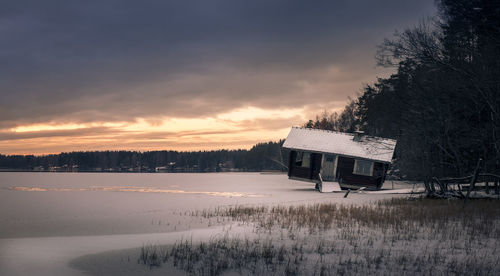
(310, 173)
(345, 167)
(345, 174)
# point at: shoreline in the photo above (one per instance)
(391, 237)
(53, 255)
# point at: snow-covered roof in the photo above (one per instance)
(325, 141)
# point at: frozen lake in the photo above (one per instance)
(48, 219)
(72, 204)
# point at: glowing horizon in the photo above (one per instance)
(240, 128)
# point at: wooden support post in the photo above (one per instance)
(427, 187)
(473, 179)
(497, 188)
(487, 186)
(441, 185)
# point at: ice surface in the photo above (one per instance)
(48, 219)
(74, 204)
(51, 256)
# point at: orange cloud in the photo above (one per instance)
(240, 128)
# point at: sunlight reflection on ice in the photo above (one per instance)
(134, 189)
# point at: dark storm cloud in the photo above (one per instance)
(118, 60)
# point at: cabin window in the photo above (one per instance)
(363, 167)
(303, 159)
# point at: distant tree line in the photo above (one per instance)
(443, 102)
(261, 157)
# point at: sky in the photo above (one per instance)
(183, 75)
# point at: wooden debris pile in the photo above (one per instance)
(462, 187)
(485, 185)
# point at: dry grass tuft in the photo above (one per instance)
(395, 236)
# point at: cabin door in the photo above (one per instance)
(329, 166)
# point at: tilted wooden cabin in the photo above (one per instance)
(352, 160)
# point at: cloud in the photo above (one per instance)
(12, 136)
(230, 130)
(106, 60)
(120, 61)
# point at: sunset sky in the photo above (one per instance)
(183, 75)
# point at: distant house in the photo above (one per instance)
(353, 160)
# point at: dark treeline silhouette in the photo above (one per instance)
(443, 102)
(261, 157)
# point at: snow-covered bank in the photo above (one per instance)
(392, 237)
(51, 255)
